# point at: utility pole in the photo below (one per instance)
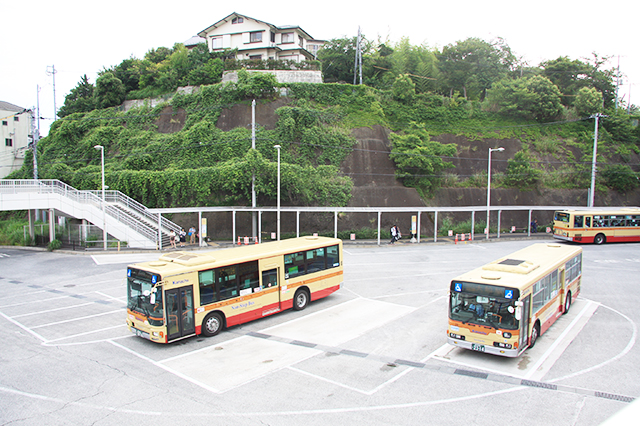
(593, 162)
(617, 81)
(36, 134)
(53, 73)
(358, 60)
(254, 219)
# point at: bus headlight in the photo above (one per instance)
(456, 336)
(502, 345)
(506, 334)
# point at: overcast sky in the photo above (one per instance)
(80, 37)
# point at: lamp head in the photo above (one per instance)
(277, 146)
(98, 147)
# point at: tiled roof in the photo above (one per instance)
(194, 40)
(6, 106)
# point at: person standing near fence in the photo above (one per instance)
(395, 234)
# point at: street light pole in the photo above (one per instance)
(104, 199)
(489, 185)
(278, 148)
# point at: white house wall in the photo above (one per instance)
(238, 36)
(12, 157)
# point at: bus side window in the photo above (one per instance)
(227, 282)
(207, 287)
(315, 260)
(294, 264)
(587, 221)
(249, 281)
(269, 278)
(333, 257)
(577, 222)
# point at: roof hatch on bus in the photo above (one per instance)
(187, 259)
(515, 266)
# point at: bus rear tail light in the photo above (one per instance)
(456, 336)
(502, 345)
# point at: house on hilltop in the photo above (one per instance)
(260, 41)
(255, 39)
(15, 136)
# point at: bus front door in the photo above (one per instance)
(524, 323)
(180, 320)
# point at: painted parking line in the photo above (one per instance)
(230, 364)
(534, 363)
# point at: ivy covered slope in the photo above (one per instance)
(201, 164)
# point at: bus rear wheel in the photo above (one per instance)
(567, 303)
(534, 335)
(300, 300)
(212, 324)
(599, 239)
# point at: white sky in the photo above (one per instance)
(80, 37)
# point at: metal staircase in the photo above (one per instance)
(125, 219)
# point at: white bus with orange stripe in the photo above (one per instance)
(598, 226)
(504, 306)
(190, 293)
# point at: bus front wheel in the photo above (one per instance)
(534, 335)
(599, 239)
(212, 324)
(300, 300)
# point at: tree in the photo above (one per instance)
(128, 71)
(338, 57)
(419, 62)
(109, 91)
(531, 98)
(473, 65)
(569, 76)
(80, 99)
(620, 177)
(404, 89)
(572, 75)
(419, 159)
(588, 101)
(520, 173)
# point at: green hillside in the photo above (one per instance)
(473, 88)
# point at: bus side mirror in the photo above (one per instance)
(518, 313)
(152, 298)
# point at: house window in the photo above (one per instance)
(216, 42)
(5, 123)
(287, 38)
(8, 142)
(255, 37)
(273, 37)
(237, 20)
(16, 118)
(255, 57)
(300, 41)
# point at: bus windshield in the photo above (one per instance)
(143, 297)
(483, 308)
(562, 217)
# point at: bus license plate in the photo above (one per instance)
(479, 348)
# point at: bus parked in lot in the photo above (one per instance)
(503, 307)
(597, 226)
(188, 293)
